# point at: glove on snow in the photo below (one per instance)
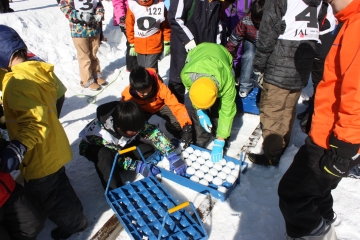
(186, 136)
(217, 150)
(204, 120)
(166, 48)
(132, 51)
(190, 45)
(336, 160)
(143, 170)
(176, 164)
(12, 156)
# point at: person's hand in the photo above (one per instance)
(335, 160)
(260, 78)
(143, 170)
(12, 156)
(204, 120)
(85, 16)
(132, 51)
(186, 135)
(177, 164)
(98, 18)
(190, 45)
(122, 24)
(166, 48)
(217, 150)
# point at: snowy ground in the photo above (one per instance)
(251, 211)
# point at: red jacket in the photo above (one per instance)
(337, 99)
(163, 97)
(7, 186)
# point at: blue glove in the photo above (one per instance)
(217, 150)
(143, 170)
(204, 120)
(12, 156)
(177, 164)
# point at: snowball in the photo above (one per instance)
(190, 170)
(217, 166)
(194, 178)
(185, 154)
(223, 162)
(197, 152)
(226, 170)
(222, 189)
(199, 173)
(222, 175)
(231, 179)
(208, 177)
(189, 150)
(206, 155)
(231, 165)
(217, 181)
(201, 160)
(192, 157)
(235, 173)
(209, 163)
(188, 162)
(213, 172)
(195, 165)
(204, 182)
(204, 168)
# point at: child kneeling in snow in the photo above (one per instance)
(121, 125)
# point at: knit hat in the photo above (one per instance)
(203, 93)
(10, 42)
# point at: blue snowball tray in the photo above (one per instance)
(249, 104)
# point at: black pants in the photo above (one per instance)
(103, 159)
(131, 61)
(58, 200)
(19, 219)
(305, 191)
(4, 6)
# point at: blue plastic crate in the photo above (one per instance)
(146, 210)
(185, 181)
(249, 104)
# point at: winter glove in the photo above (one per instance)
(260, 78)
(336, 160)
(98, 18)
(143, 170)
(12, 156)
(166, 48)
(204, 120)
(176, 164)
(217, 150)
(122, 24)
(85, 16)
(186, 135)
(132, 51)
(190, 45)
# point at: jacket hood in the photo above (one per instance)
(40, 72)
(351, 9)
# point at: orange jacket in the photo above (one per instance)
(337, 99)
(136, 17)
(163, 97)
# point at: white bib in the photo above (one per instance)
(85, 5)
(301, 21)
(147, 19)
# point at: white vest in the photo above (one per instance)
(301, 21)
(147, 19)
(85, 5)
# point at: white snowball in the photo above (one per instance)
(194, 178)
(204, 182)
(209, 163)
(200, 160)
(197, 152)
(204, 168)
(217, 181)
(199, 173)
(188, 162)
(190, 170)
(222, 175)
(189, 150)
(208, 177)
(231, 165)
(217, 166)
(226, 170)
(205, 155)
(213, 172)
(231, 179)
(185, 154)
(223, 162)
(222, 189)
(192, 157)
(237, 167)
(235, 173)
(195, 165)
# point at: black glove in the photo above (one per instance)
(122, 24)
(186, 136)
(12, 156)
(336, 160)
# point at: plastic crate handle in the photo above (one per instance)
(178, 207)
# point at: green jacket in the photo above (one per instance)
(210, 59)
(29, 99)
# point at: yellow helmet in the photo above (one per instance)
(203, 93)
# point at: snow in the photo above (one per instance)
(250, 212)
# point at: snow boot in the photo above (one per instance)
(323, 231)
(261, 159)
(60, 234)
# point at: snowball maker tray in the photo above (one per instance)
(196, 186)
(147, 211)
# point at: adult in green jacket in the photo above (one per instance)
(207, 75)
(39, 146)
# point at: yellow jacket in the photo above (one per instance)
(29, 101)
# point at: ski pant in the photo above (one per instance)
(277, 116)
(19, 219)
(148, 60)
(89, 64)
(305, 191)
(58, 200)
(131, 61)
(172, 125)
(103, 159)
(4, 6)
